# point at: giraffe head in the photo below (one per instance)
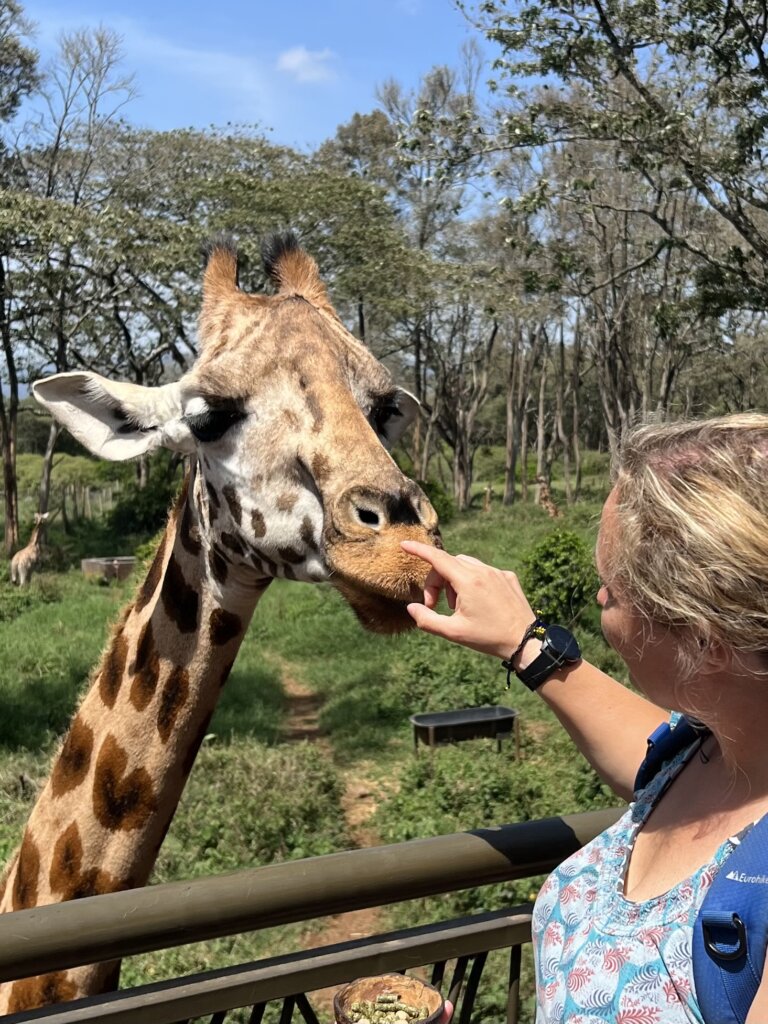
(288, 420)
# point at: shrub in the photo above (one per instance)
(559, 577)
(442, 502)
(143, 510)
(248, 804)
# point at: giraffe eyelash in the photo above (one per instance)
(213, 424)
(383, 413)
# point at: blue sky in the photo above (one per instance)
(296, 67)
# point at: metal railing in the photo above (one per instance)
(114, 926)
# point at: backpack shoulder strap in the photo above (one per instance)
(664, 743)
(731, 932)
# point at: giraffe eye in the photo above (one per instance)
(382, 415)
(213, 423)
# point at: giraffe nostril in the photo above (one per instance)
(368, 517)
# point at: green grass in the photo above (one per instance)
(251, 797)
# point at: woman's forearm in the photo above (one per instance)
(609, 723)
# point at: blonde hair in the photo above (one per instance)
(692, 518)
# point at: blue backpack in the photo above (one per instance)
(730, 934)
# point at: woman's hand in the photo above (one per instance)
(490, 610)
(447, 1012)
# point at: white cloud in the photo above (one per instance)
(307, 65)
(242, 84)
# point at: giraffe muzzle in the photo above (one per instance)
(370, 569)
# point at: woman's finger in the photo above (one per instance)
(448, 566)
(469, 559)
(431, 621)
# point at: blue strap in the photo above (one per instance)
(664, 743)
(731, 932)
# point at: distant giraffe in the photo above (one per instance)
(487, 498)
(286, 418)
(545, 498)
(25, 559)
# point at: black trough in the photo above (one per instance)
(489, 722)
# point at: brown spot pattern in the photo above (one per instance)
(234, 503)
(218, 566)
(152, 580)
(213, 500)
(122, 801)
(229, 540)
(180, 600)
(315, 411)
(145, 669)
(321, 467)
(291, 555)
(67, 877)
(285, 502)
(224, 626)
(42, 990)
(265, 562)
(173, 697)
(258, 525)
(27, 874)
(308, 534)
(190, 534)
(74, 760)
(112, 669)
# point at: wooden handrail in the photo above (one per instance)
(121, 924)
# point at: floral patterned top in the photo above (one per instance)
(601, 957)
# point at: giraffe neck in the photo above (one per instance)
(115, 785)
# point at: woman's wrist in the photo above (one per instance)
(530, 650)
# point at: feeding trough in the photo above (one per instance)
(491, 721)
(117, 568)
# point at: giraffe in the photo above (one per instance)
(545, 498)
(25, 559)
(286, 419)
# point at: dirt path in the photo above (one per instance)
(360, 799)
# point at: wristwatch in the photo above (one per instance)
(558, 647)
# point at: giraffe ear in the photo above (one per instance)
(114, 420)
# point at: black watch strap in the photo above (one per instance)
(559, 648)
(536, 629)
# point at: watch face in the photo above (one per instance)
(563, 643)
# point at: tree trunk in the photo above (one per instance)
(44, 498)
(512, 424)
(8, 413)
(560, 417)
(541, 432)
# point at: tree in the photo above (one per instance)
(18, 78)
(678, 91)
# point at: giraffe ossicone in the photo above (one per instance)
(287, 420)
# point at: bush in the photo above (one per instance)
(143, 510)
(442, 502)
(14, 601)
(248, 804)
(558, 576)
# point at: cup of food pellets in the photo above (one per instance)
(388, 999)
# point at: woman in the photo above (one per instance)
(682, 556)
